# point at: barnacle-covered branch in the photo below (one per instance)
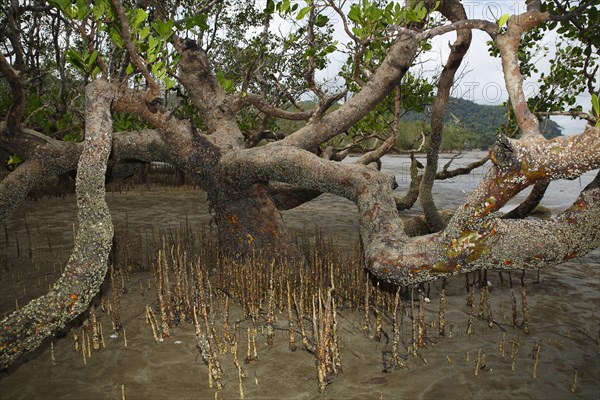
(25, 329)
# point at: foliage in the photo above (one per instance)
(596, 108)
(237, 38)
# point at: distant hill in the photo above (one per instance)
(481, 119)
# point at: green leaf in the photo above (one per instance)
(144, 32)
(92, 59)
(596, 104)
(14, 160)
(152, 43)
(201, 23)
(76, 59)
(197, 20)
(115, 36)
(226, 84)
(140, 17)
(82, 10)
(283, 6)
(95, 71)
(270, 8)
(99, 10)
(321, 21)
(302, 13)
(503, 20)
(164, 29)
(169, 83)
(354, 15)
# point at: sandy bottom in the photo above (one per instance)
(562, 348)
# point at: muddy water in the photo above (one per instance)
(564, 308)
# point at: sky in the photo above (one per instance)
(482, 80)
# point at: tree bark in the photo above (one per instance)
(25, 329)
(530, 203)
(249, 223)
(454, 11)
(44, 157)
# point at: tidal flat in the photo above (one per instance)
(387, 345)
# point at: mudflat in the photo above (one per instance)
(559, 358)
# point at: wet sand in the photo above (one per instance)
(564, 308)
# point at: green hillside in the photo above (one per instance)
(483, 120)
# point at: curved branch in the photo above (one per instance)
(375, 155)
(563, 157)
(14, 35)
(399, 58)
(145, 145)
(44, 157)
(15, 187)
(370, 189)
(508, 44)
(572, 113)
(287, 197)
(486, 26)
(473, 239)
(445, 174)
(192, 152)
(530, 203)
(454, 11)
(521, 163)
(492, 245)
(24, 330)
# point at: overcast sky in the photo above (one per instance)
(482, 80)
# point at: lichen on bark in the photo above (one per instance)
(25, 329)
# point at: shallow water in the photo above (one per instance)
(452, 192)
(564, 309)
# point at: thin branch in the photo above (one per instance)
(263, 106)
(342, 16)
(410, 198)
(445, 174)
(489, 27)
(286, 92)
(376, 154)
(91, 48)
(135, 57)
(454, 11)
(568, 15)
(571, 113)
(325, 103)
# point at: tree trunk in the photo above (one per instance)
(25, 329)
(248, 222)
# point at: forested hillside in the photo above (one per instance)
(483, 120)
